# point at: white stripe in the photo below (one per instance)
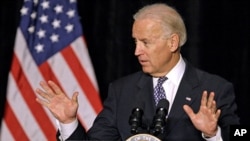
(69, 83)
(81, 51)
(22, 112)
(29, 67)
(5, 134)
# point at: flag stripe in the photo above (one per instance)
(36, 109)
(82, 78)
(13, 123)
(66, 77)
(23, 113)
(80, 48)
(5, 134)
(47, 72)
(85, 62)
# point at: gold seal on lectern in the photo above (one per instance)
(143, 137)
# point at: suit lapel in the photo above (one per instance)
(145, 92)
(184, 95)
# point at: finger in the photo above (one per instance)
(189, 111)
(204, 99)
(213, 107)
(42, 102)
(55, 87)
(217, 114)
(42, 94)
(46, 87)
(210, 100)
(75, 97)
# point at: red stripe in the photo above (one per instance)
(47, 73)
(29, 96)
(82, 78)
(15, 128)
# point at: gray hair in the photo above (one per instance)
(171, 20)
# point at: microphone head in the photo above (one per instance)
(135, 119)
(159, 120)
(138, 112)
(163, 103)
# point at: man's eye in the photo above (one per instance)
(145, 43)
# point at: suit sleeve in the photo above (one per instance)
(104, 126)
(78, 134)
(226, 102)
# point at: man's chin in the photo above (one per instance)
(146, 70)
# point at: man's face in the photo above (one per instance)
(152, 48)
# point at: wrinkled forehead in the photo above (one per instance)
(147, 28)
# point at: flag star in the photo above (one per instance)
(45, 4)
(35, 2)
(69, 27)
(58, 9)
(24, 11)
(44, 18)
(41, 33)
(71, 13)
(72, 1)
(39, 48)
(54, 38)
(31, 29)
(56, 23)
(33, 15)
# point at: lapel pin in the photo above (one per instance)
(188, 98)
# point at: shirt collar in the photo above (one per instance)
(175, 73)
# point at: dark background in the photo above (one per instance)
(218, 40)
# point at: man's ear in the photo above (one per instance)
(174, 40)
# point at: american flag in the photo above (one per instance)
(49, 45)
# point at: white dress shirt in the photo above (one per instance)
(172, 83)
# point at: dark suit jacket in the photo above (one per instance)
(125, 94)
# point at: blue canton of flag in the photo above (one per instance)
(48, 27)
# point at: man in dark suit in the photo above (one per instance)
(201, 105)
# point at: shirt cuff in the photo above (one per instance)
(217, 137)
(67, 129)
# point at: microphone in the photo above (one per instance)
(135, 119)
(159, 120)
